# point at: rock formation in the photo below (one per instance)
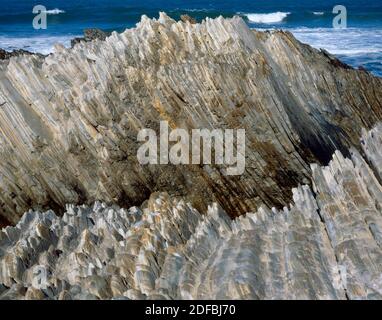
(90, 35)
(186, 18)
(6, 55)
(69, 121)
(326, 245)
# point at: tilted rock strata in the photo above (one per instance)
(69, 122)
(327, 245)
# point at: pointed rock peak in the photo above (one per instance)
(164, 18)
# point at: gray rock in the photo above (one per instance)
(325, 245)
(6, 55)
(90, 35)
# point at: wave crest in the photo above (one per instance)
(267, 17)
(54, 11)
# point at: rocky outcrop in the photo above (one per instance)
(90, 35)
(326, 245)
(186, 18)
(68, 122)
(5, 55)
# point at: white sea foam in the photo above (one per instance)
(267, 17)
(354, 52)
(355, 46)
(318, 13)
(54, 11)
(42, 44)
(352, 41)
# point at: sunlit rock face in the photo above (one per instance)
(68, 134)
(69, 121)
(326, 245)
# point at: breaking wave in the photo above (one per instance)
(42, 44)
(267, 17)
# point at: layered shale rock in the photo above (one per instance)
(69, 122)
(326, 245)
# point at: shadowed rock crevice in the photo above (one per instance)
(4, 222)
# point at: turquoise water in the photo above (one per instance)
(359, 45)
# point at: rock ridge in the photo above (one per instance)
(69, 121)
(326, 245)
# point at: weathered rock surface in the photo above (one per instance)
(68, 122)
(326, 245)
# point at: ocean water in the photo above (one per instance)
(360, 44)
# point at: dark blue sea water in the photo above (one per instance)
(360, 44)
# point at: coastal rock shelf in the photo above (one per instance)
(69, 121)
(326, 245)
